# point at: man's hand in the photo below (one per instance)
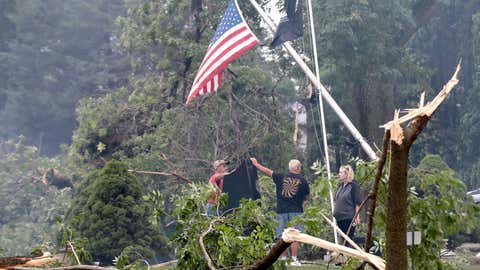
(254, 162)
(221, 175)
(260, 167)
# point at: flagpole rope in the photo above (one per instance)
(322, 114)
(317, 136)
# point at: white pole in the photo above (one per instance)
(322, 115)
(356, 134)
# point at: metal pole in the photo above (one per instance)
(343, 117)
(322, 114)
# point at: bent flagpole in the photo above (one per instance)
(311, 76)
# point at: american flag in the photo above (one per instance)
(232, 39)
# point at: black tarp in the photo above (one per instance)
(241, 183)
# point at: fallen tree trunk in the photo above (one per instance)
(9, 261)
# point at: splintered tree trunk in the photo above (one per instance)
(397, 208)
(401, 141)
(396, 224)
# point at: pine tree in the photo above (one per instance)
(109, 211)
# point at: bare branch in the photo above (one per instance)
(373, 192)
(202, 245)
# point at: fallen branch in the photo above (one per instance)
(292, 235)
(377, 262)
(272, 256)
(8, 262)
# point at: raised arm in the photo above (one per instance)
(261, 168)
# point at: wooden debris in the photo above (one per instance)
(396, 131)
(291, 235)
(10, 262)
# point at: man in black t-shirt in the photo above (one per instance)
(292, 190)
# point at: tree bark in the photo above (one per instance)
(271, 257)
(396, 224)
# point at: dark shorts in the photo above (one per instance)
(283, 219)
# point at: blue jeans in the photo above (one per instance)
(211, 210)
(283, 219)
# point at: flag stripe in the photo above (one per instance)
(218, 56)
(218, 67)
(232, 38)
(227, 36)
(226, 44)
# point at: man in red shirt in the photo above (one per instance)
(216, 180)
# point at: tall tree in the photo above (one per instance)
(54, 53)
(450, 34)
(365, 66)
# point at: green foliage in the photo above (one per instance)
(132, 257)
(237, 239)
(37, 251)
(69, 237)
(109, 211)
(438, 207)
(146, 121)
(29, 208)
(319, 203)
(156, 200)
